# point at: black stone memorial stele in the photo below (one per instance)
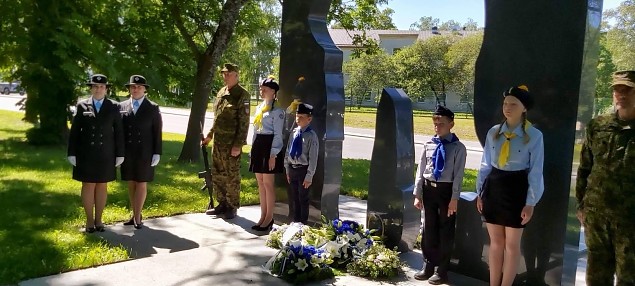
(391, 183)
(307, 51)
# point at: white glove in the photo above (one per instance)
(72, 160)
(155, 160)
(118, 161)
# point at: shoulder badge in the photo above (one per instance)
(246, 103)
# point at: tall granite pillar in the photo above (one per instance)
(550, 46)
(391, 183)
(308, 51)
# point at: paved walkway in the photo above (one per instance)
(194, 249)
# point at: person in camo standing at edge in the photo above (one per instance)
(605, 188)
(267, 154)
(300, 162)
(229, 132)
(142, 126)
(437, 189)
(95, 149)
(510, 183)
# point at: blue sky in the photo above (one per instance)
(409, 11)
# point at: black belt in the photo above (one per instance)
(437, 184)
(294, 166)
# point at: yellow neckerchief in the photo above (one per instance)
(264, 107)
(504, 153)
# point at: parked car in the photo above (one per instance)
(11, 87)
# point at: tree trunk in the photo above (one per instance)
(191, 146)
(206, 68)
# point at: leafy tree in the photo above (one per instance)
(368, 73)
(424, 67)
(461, 59)
(620, 37)
(425, 24)
(47, 45)
(361, 15)
(450, 25)
(471, 25)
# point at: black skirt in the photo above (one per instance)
(504, 197)
(260, 153)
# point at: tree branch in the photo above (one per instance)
(178, 21)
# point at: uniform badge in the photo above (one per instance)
(247, 105)
(281, 116)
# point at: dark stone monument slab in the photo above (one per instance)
(549, 46)
(390, 200)
(308, 51)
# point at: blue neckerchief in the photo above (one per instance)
(438, 157)
(296, 144)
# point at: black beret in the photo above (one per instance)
(270, 82)
(444, 111)
(304, 108)
(522, 93)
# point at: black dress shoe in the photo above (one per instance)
(131, 221)
(437, 279)
(100, 228)
(265, 228)
(90, 229)
(255, 226)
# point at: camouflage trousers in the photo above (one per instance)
(611, 249)
(226, 176)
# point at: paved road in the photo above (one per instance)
(358, 142)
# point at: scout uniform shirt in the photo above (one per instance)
(529, 156)
(309, 156)
(231, 117)
(454, 168)
(272, 123)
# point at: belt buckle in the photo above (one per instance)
(433, 184)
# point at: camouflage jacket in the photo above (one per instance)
(231, 117)
(605, 179)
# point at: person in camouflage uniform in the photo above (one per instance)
(229, 132)
(605, 188)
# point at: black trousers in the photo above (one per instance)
(438, 228)
(299, 195)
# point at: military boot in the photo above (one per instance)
(230, 213)
(220, 209)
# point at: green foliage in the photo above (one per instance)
(423, 66)
(620, 37)
(605, 69)
(461, 59)
(361, 15)
(368, 73)
(378, 262)
(426, 23)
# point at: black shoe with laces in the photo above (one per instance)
(218, 210)
(425, 273)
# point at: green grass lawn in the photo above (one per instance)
(422, 122)
(42, 217)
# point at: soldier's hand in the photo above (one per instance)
(580, 214)
(526, 214)
(306, 184)
(418, 203)
(272, 163)
(235, 151)
(118, 161)
(206, 140)
(452, 207)
(479, 204)
(288, 179)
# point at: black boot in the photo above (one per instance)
(220, 209)
(230, 213)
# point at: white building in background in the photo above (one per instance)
(391, 41)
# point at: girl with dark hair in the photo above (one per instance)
(510, 183)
